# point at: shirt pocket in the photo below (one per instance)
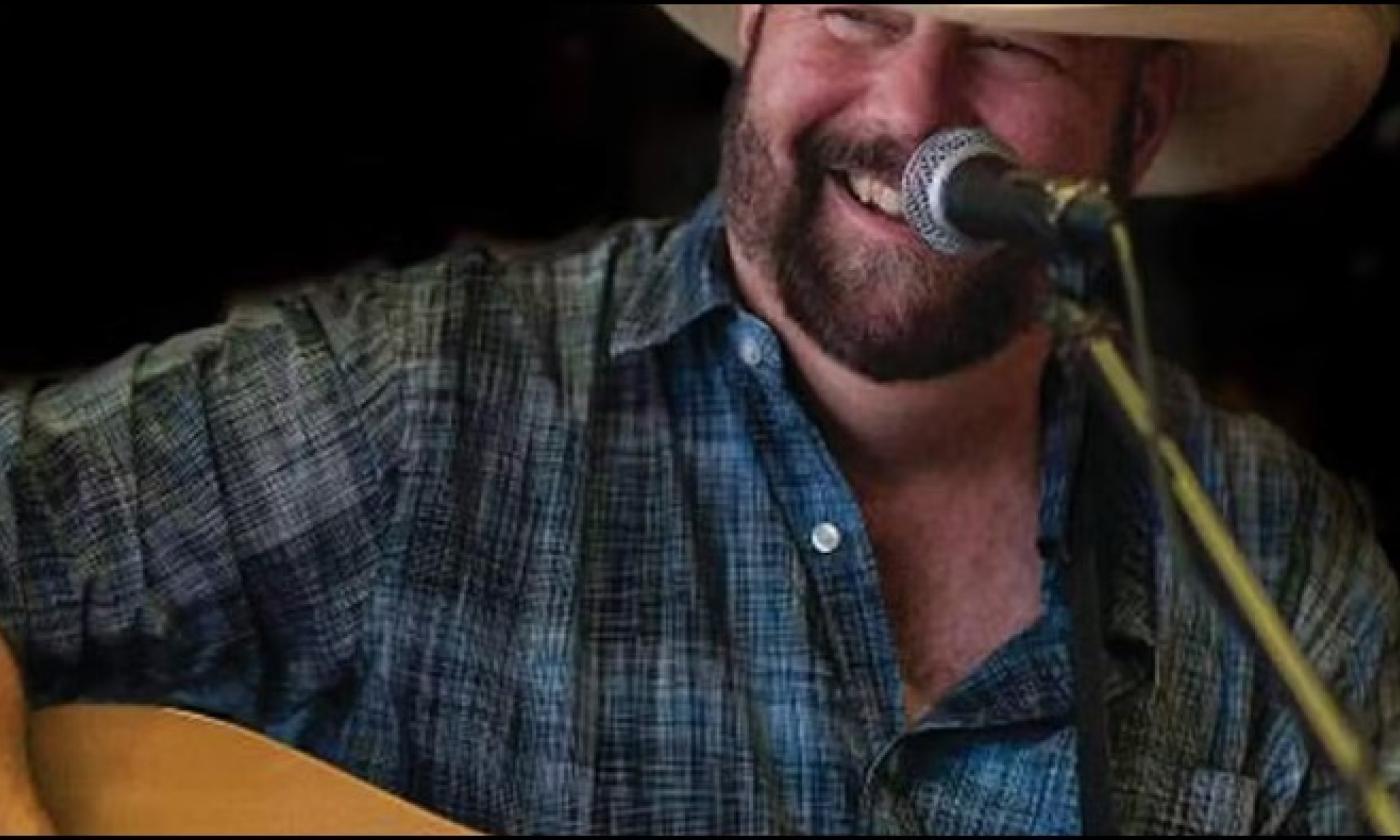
(1157, 798)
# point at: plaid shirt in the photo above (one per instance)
(553, 546)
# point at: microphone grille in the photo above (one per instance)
(925, 180)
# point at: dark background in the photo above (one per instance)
(156, 164)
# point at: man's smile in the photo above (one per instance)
(867, 188)
(871, 203)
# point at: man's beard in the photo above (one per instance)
(888, 311)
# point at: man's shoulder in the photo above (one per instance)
(590, 262)
(563, 297)
(1255, 469)
(566, 275)
(478, 312)
(1308, 532)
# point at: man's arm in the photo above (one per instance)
(1348, 621)
(20, 809)
(198, 523)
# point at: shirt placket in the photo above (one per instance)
(827, 531)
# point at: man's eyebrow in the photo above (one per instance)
(1076, 42)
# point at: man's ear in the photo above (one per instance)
(1161, 78)
(749, 16)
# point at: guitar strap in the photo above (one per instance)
(1093, 522)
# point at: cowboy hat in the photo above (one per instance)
(1267, 90)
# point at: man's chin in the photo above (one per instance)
(894, 325)
(918, 358)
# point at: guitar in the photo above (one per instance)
(145, 770)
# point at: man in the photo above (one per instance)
(761, 522)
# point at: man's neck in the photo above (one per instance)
(971, 423)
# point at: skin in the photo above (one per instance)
(923, 370)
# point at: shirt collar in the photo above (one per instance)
(690, 278)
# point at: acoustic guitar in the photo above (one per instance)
(144, 770)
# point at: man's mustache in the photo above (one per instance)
(884, 157)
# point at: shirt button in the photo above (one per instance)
(750, 352)
(826, 537)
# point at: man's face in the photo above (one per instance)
(833, 101)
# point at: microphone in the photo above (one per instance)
(963, 191)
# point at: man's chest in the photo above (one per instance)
(959, 578)
(657, 678)
(674, 619)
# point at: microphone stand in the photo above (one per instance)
(1086, 338)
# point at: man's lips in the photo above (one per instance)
(872, 192)
(870, 217)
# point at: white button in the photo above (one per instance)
(826, 537)
(750, 352)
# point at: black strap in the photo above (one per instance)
(1087, 650)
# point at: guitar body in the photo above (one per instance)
(143, 770)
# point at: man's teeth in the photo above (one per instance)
(874, 194)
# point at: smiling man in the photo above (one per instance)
(762, 521)
(923, 369)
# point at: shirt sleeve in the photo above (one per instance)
(199, 522)
(1348, 622)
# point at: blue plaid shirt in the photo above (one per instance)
(552, 546)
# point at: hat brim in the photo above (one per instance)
(1268, 89)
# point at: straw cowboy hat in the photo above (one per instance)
(1268, 88)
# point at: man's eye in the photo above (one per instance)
(1012, 50)
(857, 26)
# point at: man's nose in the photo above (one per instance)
(915, 90)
